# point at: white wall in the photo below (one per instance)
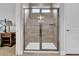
(19, 29)
(8, 11)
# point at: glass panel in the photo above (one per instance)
(45, 11)
(49, 31)
(32, 31)
(35, 10)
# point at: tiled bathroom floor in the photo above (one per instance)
(8, 51)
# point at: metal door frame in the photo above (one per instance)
(41, 39)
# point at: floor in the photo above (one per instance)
(7, 51)
(10, 51)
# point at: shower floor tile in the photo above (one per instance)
(36, 46)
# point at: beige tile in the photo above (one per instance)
(7, 51)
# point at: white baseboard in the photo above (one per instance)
(19, 54)
(41, 51)
(62, 53)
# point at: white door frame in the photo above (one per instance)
(19, 30)
(61, 30)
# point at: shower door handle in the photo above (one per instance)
(51, 24)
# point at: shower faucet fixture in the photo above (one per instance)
(40, 19)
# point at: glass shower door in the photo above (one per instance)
(49, 29)
(32, 31)
(41, 29)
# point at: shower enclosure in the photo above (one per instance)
(41, 29)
